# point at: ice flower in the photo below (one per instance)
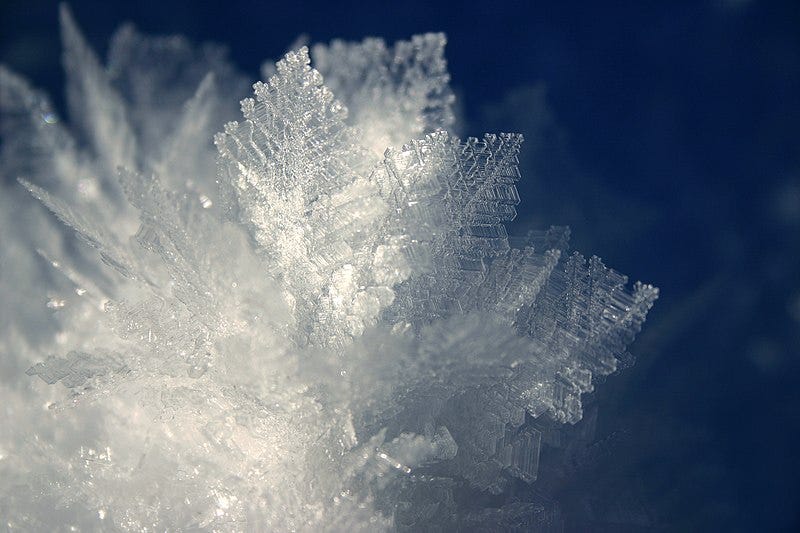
(314, 319)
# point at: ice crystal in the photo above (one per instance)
(328, 328)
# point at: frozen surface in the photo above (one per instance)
(316, 322)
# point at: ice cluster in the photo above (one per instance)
(312, 320)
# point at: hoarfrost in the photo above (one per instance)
(329, 328)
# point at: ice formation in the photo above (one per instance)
(317, 322)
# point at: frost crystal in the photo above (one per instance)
(328, 328)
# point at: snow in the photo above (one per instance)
(317, 322)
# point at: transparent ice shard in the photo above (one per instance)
(159, 76)
(74, 370)
(300, 180)
(91, 231)
(519, 453)
(452, 199)
(394, 93)
(94, 106)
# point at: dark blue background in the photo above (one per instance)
(667, 135)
